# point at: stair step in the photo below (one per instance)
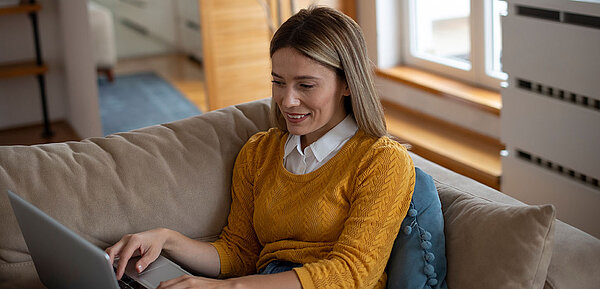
(463, 151)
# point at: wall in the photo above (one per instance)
(81, 87)
(70, 81)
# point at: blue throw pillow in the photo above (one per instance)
(418, 259)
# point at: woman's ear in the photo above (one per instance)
(346, 91)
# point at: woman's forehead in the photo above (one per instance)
(289, 62)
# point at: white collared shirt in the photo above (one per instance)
(319, 152)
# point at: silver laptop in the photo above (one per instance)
(64, 259)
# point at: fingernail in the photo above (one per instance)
(139, 267)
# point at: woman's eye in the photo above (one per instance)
(276, 82)
(307, 86)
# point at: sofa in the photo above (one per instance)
(178, 175)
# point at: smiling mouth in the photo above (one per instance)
(296, 117)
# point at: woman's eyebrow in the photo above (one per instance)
(300, 77)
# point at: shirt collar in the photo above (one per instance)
(293, 142)
(328, 142)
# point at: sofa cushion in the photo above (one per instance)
(418, 258)
(176, 175)
(493, 245)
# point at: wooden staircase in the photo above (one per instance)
(459, 149)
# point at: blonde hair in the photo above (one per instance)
(336, 41)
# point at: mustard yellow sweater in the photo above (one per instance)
(340, 220)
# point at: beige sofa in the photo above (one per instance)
(177, 175)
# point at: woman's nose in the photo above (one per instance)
(290, 99)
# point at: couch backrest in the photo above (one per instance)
(176, 175)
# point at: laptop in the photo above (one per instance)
(64, 259)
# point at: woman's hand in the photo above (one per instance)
(147, 244)
(285, 280)
(187, 281)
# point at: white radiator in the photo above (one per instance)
(550, 120)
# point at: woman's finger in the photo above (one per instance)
(114, 250)
(126, 253)
(147, 258)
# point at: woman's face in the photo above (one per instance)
(309, 94)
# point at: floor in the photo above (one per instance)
(185, 74)
(30, 135)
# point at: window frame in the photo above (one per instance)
(480, 45)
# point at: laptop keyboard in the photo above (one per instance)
(127, 283)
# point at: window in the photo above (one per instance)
(459, 38)
(440, 31)
(494, 39)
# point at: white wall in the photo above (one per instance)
(70, 81)
(81, 86)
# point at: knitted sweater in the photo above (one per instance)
(339, 221)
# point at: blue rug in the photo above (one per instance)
(139, 100)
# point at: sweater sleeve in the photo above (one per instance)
(379, 202)
(238, 246)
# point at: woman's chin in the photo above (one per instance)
(296, 131)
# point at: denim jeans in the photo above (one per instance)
(278, 267)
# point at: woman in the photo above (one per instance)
(316, 201)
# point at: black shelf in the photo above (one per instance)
(35, 67)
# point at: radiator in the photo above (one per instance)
(550, 120)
